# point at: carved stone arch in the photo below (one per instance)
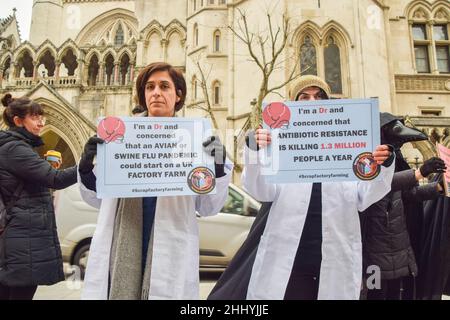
(127, 51)
(47, 45)
(18, 60)
(63, 135)
(441, 12)
(175, 26)
(307, 28)
(118, 23)
(334, 28)
(419, 10)
(97, 27)
(69, 44)
(107, 52)
(26, 46)
(126, 26)
(91, 53)
(153, 27)
(72, 126)
(425, 148)
(5, 57)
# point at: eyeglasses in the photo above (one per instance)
(39, 118)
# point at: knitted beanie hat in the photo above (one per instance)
(309, 81)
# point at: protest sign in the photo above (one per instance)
(444, 154)
(321, 141)
(148, 156)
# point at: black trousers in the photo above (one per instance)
(302, 287)
(17, 293)
(395, 289)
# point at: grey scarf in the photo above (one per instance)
(126, 278)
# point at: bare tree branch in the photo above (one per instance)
(206, 95)
(271, 47)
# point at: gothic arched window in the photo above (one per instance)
(217, 41)
(332, 58)
(119, 39)
(308, 57)
(70, 61)
(125, 69)
(109, 70)
(216, 93)
(195, 35)
(93, 71)
(430, 38)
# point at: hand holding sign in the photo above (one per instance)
(90, 151)
(263, 138)
(216, 149)
(381, 154)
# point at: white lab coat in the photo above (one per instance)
(175, 263)
(341, 267)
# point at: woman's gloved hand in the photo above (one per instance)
(433, 165)
(216, 149)
(86, 164)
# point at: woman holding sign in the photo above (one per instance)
(305, 243)
(148, 248)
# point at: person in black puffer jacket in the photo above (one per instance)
(385, 236)
(30, 253)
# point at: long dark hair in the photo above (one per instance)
(175, 75)
(20, 107)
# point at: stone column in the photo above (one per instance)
(79, 74)
(433, 54)
(57, 66)
(35, 71)
(116, 74)
(164, 44)
(101, 73)
(13, 72)
(132, 66)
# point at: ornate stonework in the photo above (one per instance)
(422, 83)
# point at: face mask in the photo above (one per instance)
(396, 133)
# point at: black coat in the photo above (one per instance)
(433, 257)
(32, 254)
(385, 238)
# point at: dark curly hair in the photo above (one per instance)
(20, 107)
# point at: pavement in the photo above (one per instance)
(71, 289)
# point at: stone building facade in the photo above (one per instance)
(84, 55)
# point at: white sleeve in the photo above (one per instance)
(252, 180)
(370, 192)
(89, 196)
(211, 204)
